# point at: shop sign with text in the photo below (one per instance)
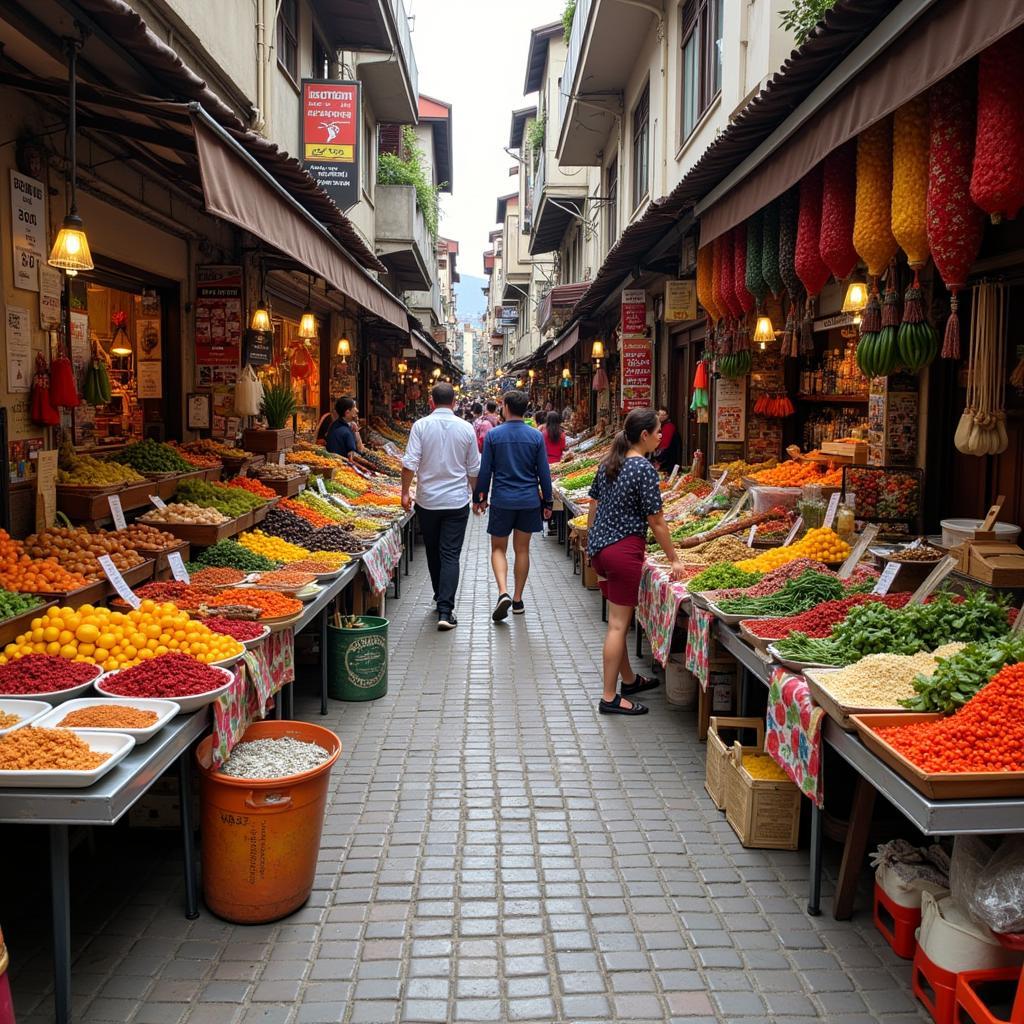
(218, 312)
(330, 137)
(634, 311)
(680, 301)
(637, 369)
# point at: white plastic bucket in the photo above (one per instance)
(680, 684)
(953, 942)
(956, 531)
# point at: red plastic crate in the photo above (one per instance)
(897, 924)
(977, 991)
(935, 988)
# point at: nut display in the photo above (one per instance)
(186, 513)
(206, 446)
(148, 538)
(284, 523)
(924, 553)
(78, 550)
(335, 538)
(278, 472)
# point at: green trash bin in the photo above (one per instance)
(357, 660)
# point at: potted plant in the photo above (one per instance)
(277, 408)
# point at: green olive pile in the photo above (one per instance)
(151, 456)
(232, 501)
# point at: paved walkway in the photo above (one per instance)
(495, 851)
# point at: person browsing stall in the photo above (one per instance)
(626, 501)
(343, 437)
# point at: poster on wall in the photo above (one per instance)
(28, 229)
(330, 137)
(51, 285)
(730, 409)
(19, 349)
(150, 380)
(218, 316)
(147, 335)
(637, 366)
(81, 350)
(634, 311)
(680, 301)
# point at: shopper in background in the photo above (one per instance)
(482, 423)
(515, 478)
(554, 438)
(627, 500)
(443, 456)
(491, 413)
(670, 450)
(343, 437)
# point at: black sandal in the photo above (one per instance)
(639, 685)
(614, 707)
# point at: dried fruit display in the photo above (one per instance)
(910, 180)
(872, 227)
(810, 268)
(755, 281)
(739, 268)
(770, 249)
(838, 203)
(705, 282)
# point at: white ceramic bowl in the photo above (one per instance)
(30, 711)
(193, 702)
(117, 744)
(165, 711)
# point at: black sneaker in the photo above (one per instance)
(446, 622)
(500, 612)
(518, 608)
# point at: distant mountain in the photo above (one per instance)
(470, 301)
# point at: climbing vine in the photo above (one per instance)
(411, 169)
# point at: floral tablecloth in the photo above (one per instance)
(698, 644)
(381, 560)
(793, 733)
(658, 608)
(257, 677)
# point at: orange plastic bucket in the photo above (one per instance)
(260, 838)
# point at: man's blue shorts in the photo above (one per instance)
(502, 521)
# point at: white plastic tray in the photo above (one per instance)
(165, 710)
(185, 704)
(117, 744)
(30, 711)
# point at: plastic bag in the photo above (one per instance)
(248, 393)
(990, 884)
(905, 871)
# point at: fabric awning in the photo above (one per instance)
(421, 345)
(238, 193)
(942, 39)
(565, 343)
(560, 299)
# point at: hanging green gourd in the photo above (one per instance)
(788, 208)
(838, 197)
(770, 249)
(743, 296)
(886, 355)
(756, 284)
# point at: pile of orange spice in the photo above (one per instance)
(216, 576)
(31, 749)
(287, 578)
(8, 719)
(108, 716)
(270, 605)
(985, 735)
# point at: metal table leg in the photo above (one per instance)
(406, 545)
(61, 902)
(185, 799)
(814, 896)
(289, 710)
(323, 662)
(639, 638)
(398, 583)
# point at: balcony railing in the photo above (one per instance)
(405, 37)
(539, 175)
(579, 30)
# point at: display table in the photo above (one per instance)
(105, 803)
(657, 613)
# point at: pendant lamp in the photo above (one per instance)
(307, 324)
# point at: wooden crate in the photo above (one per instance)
(201, 535)
(264, 440)
(162, 570)
(718, 753)
(285, 488)
(765, 815)
(12, 628)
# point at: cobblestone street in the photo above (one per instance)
(495, 851)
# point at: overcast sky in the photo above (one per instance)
(472, 54)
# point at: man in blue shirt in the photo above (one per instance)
(514, 471)
(343, 437)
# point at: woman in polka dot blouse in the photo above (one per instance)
(627, 500)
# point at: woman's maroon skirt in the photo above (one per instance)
(621, 566)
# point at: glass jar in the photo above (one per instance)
(811, 506)
(846, 516)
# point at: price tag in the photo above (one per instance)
(392, 449)
(750, 536)
(117, 512)
(736, 508)
(115, 577)
(884, 582)
(793, 531)
(866, 538)
(672, 476)
(933, 579)
(719, 484)
(833, 507)
(321, 486)
(340, 502)
(178, 570)
(280, 458)
(157, 500)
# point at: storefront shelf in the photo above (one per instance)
(834, 399)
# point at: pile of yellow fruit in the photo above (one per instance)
(272, 547)
(116, 640)
(822, 544)
(84, 470)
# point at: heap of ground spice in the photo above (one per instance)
(108, 716)
(31, 749)
(169, 675)
(270, 605)
(8, 719)
(43, 673)
(240, 629)
(217, 576)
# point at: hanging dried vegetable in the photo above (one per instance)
(886, 354)
(982, 427)
(872, 226)
(728, 277)
(788, 212)
(910, 180)
(755, 276)
(739, 267)
(705, 273)
(997, 178)
(810, 267)
(770, 249)
(838, 199)
(917, 340)
(955, 224)
(721, 309)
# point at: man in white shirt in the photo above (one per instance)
(443, 457)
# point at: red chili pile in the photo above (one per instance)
(985, 735)
(169, 675)
(240, 629)
(820, 620)
(43, 673)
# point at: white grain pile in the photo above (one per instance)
(273, 759)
